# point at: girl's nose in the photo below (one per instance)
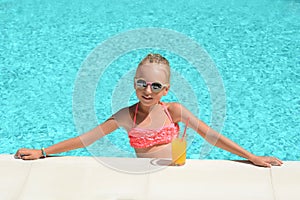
(148, 89)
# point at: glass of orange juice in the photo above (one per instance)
(178, 151)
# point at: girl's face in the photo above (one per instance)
(151, 83)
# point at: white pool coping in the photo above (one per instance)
(88, 178)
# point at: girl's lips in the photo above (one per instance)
(147, 98)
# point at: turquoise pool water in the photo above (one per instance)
(254, 44)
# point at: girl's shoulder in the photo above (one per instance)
(175, 110)
(124, 116)
(179, 112)
(172, 106)
(126, 111)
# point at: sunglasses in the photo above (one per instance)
(155, 86)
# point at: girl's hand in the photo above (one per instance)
(266, 161)
(28, 154)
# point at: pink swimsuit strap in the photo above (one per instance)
(143, 138)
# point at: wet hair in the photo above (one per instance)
(155, 58)
(158, 59)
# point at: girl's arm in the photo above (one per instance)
(180, 113)
(73, 143)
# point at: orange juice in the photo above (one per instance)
(178, 151)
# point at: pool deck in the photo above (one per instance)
(88, 178)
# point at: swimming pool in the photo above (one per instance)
(255, 46)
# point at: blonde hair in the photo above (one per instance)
(158, 59)
(155, 58)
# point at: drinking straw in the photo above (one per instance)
(186, 125)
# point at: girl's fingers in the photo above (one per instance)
(266, 164)
(18, 154)
(266, 161)
(26, 157)
(23, 154)
(277, 162)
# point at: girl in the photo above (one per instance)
(150, 123)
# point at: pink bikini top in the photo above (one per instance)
(143, 138)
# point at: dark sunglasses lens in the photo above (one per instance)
(156, 86)
(141, 83)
